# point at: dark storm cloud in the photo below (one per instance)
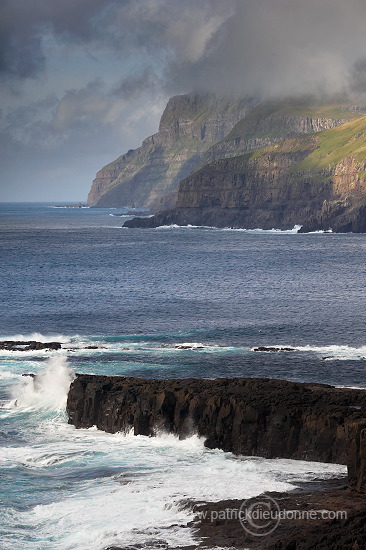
(270, 47)
(163, 28)
(24, 22)
(136, 83)
(76, 120)
(280, 47)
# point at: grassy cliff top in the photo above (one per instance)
(259, 122)
(325, 149)
(348, 140)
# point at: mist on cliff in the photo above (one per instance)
(82, 82)
(282, 48)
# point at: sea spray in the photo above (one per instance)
(47, 389)
(36, 336)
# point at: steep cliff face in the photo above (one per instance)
(199, 129)
(270, 418)
(317, 181)
(272, 122)
(189, 125)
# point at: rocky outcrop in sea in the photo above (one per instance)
(247, 416)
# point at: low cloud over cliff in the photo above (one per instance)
(103, 69)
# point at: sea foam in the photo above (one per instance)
(37, 337)
(47, 389)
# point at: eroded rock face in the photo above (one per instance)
(248, 416)
(278, 187)
(246, 192)
(189, 125)
(198, 129)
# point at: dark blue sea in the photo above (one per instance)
(170, 302)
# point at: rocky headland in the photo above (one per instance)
(198, 129)
(248, 416)
(190, 124)
(317, 181)
(239, 163)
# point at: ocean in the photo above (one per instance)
(171, 302)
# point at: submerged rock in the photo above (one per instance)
(273, 349)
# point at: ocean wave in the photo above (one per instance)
(95, 346)
(47, 389)
(37, 337)
(294, 230)
(77, 345)
(145, 481)
(4, 374)
(320, 231)
(190, 346)
(335, 352)
(189, 226)
(331, 352)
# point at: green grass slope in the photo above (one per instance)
(271, 120)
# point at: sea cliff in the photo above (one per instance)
(198, 129)
(189, 125)
(317, 181)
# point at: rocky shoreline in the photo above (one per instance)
(216, 524)
(308, 531)
(249, 416)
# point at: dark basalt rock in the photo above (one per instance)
(273, 349)
(248, 416)
(344, 533)
(145, 223)
(14, 345)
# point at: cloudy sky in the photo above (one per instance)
(83, 81)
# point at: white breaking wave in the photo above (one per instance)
(12, 353)
(340, 353)
(175, 226)
(97, 347)
(37, 337)
(142, 493)
(4, 374)
(295, 229)
(46, 390)
(321, 231)
(334, 352)
(191, 345)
